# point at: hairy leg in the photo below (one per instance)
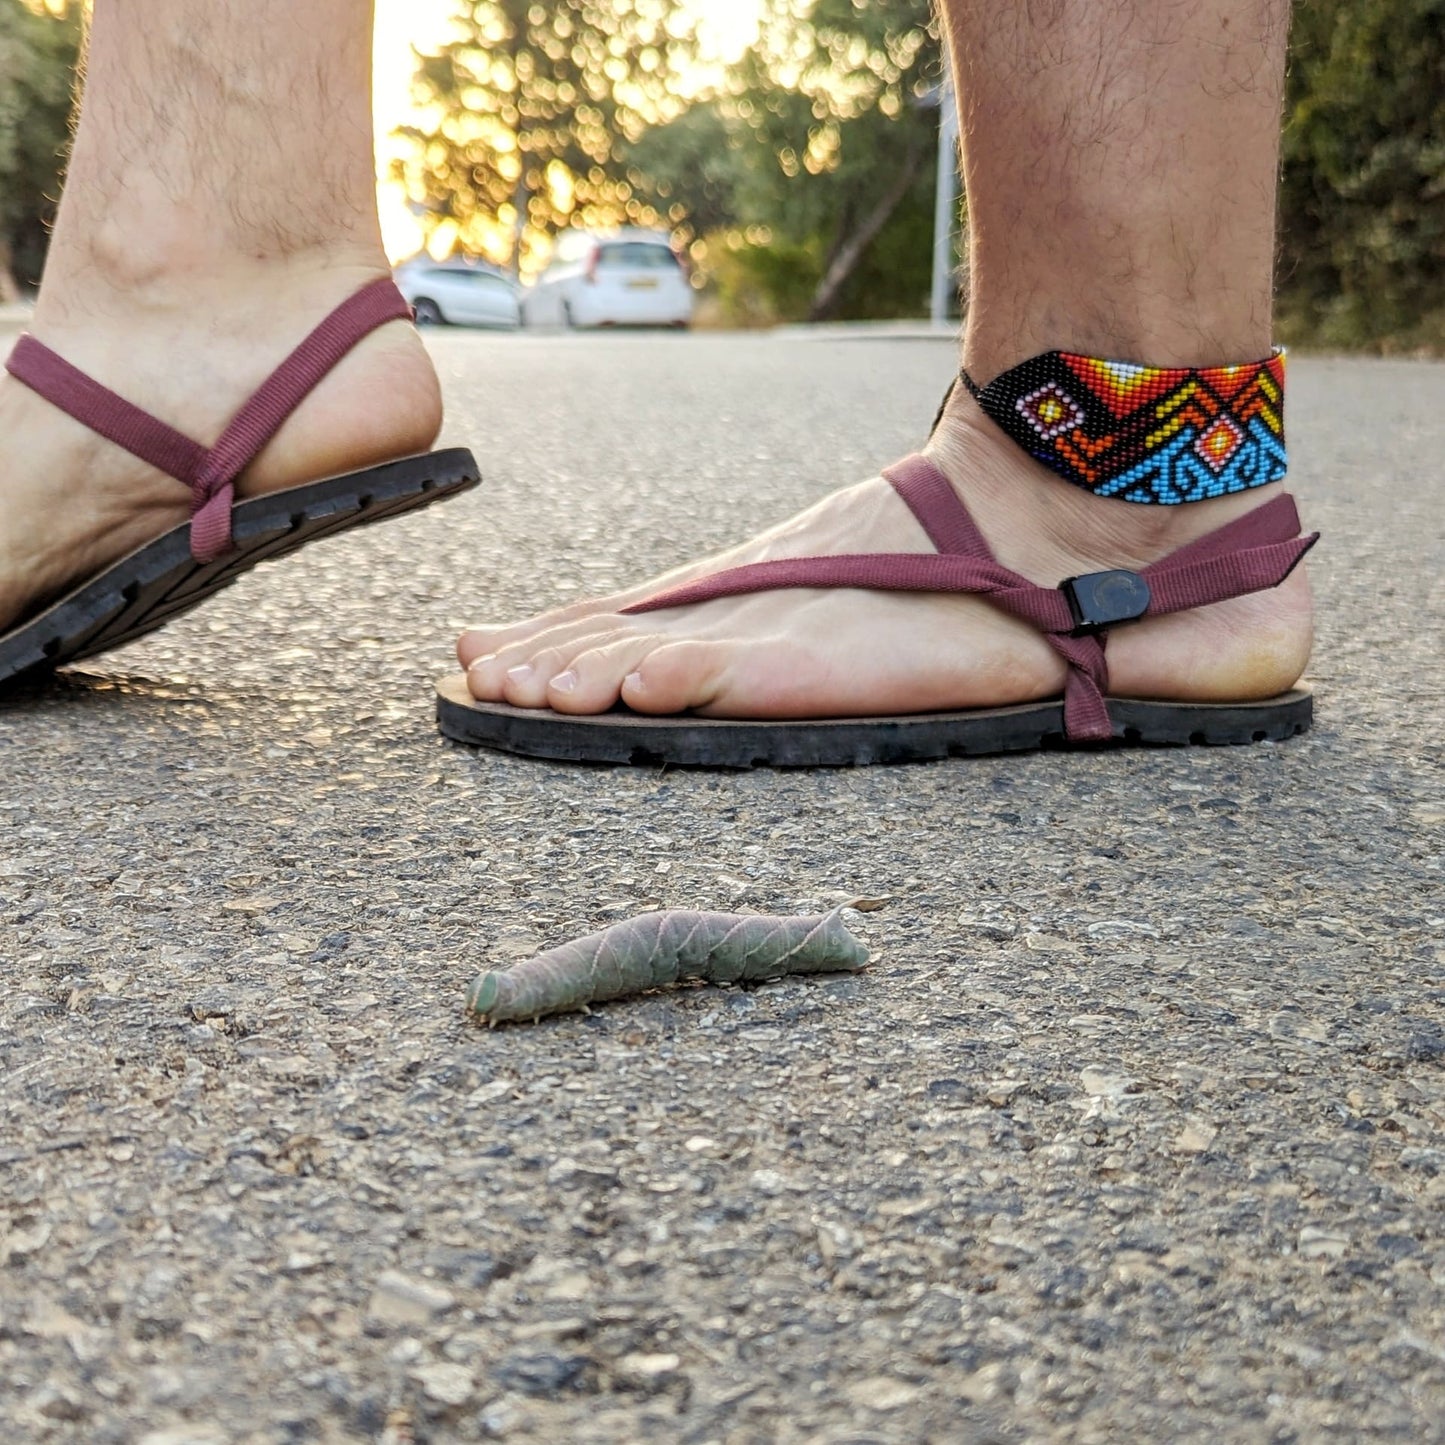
(220, 201)
(1122, 160)
(1121, 164)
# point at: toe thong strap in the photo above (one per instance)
(211, 472)
(1256, 552)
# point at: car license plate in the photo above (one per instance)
(642, 284)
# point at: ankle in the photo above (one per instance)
(175, 270)
(1039, 523)
(191, 347)
(1232, 326)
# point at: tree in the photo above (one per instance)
(1363, 203)
(835, 91)
(811, 175)
(39, 48)
(693, 168)
(535, 105)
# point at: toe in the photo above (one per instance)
(679, 676)
(593, 682)
(516, 675)
(527, 682)
(485, 676)
(499, 666)
(477, 642)
(517, 644)
(523, 672)
(767, 677)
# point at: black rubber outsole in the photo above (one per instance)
(688, 742)
(160, 581)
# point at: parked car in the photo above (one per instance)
(622, 278)
(459, 293)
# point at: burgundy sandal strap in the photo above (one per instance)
(1276, 521)
(1045, 607)
(929, 495)
(68, 388)
(210, 473)
(280, 394)
(1250, 554)
(1256, 552)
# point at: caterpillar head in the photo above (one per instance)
(482, 996)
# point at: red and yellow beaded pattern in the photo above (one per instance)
(1153, 434)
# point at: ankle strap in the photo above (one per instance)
(211, 472)
(1150, 434)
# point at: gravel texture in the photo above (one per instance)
(1135, 1128)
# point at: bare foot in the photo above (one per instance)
(191, 354)
(844, 653)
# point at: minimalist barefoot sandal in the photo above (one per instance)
(225, 538)
(1143, 434)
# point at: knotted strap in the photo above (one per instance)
(1255, 552)
(211, 472)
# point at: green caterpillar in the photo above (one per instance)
(659, 949)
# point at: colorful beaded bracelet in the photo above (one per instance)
(1154, 434)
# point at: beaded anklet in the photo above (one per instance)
(1145, 433)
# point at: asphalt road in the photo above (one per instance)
(1136, 1129)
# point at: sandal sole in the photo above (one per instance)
(160, 581)
(688, 742)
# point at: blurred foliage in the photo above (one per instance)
(1363, 204)
(39, 48)
(819, 155)
(805, 182)
(530, 107)
(760, 285)
(693, 168)
(836, 97)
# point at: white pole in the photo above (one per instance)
(945, 217)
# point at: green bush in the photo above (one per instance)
(1363, 202)
(763, 285)
(38, 54)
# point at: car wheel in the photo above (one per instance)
(428, 313)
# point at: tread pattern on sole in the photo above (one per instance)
(628, 738)
(159, 582)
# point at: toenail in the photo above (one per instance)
(633, 683)
(565, 682)
(521, 673)
(482, 662)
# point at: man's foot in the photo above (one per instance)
(190, 353)
(845, 653)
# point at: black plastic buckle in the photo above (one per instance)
(1105, 599)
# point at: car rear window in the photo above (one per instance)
(639, 255)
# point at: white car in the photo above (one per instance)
(624, 278)
(459, 293)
